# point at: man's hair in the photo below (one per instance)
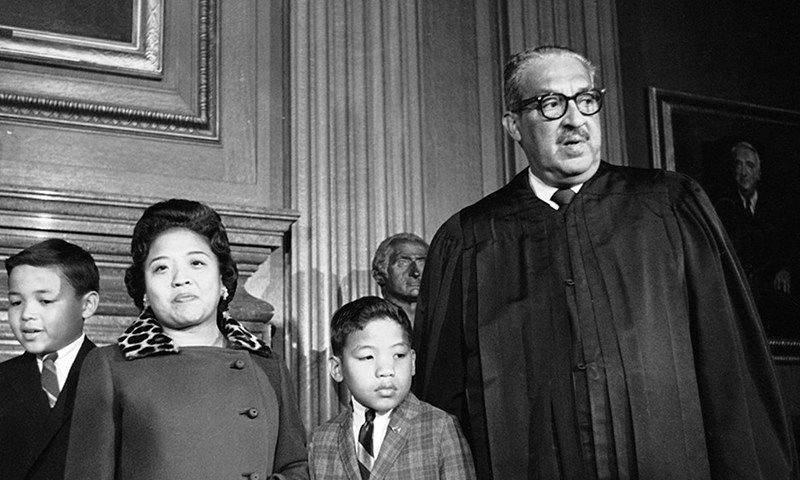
(178, 213)
(380, 262)
(357, 314)
(512, 74)
(745, 146)
(74, 263)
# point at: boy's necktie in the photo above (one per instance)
(49, 378)
(563, 197)
(364, 447)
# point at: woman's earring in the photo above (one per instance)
(145, 302)
(224, 292)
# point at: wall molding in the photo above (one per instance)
(25, 97)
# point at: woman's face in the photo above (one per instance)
(182, 280)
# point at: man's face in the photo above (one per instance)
(406, 263)
(565, 151)
(44, 311)
(747, 170)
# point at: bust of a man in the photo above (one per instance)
(397, 268)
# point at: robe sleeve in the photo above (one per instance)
(448, 371)
(747, 431)
(439, 377)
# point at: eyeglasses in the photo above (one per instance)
(553, 106)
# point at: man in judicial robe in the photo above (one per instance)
(608, 335)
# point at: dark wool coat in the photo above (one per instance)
(198, 412)
(33, 437)
(614, 339)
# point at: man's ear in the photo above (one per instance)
(335, 368)
(413, 363)
(90, 302)
(511, 125)
(379, 277)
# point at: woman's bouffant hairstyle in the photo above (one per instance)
(179, 213)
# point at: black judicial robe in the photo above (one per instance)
(629, 305)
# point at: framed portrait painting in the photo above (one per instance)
(114, 36)
(701, 136)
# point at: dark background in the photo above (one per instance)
(746, 51)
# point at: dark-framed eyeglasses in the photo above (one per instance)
(553, 106)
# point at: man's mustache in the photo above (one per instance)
(573, 134)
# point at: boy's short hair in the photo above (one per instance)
(358, 313)
(74, 263)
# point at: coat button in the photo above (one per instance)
(238, 364)
(569, 282)
(254, 476)
(252, 412)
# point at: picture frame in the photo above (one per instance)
(694, 134)
(164, 87)
(130, 43)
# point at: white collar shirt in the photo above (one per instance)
(66, 357)
(381, 424)
(544, 191)
(753, 202)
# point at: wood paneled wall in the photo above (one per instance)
(90, 136)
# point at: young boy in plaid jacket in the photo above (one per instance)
(387, 433)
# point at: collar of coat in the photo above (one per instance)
(145, 337)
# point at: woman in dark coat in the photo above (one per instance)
(188, 392)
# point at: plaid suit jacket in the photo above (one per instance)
(422, 442)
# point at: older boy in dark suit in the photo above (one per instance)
(388, 433)
(52, 289)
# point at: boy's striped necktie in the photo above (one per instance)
(50, 379)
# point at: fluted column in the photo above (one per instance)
(355, 165)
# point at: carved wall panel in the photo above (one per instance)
(207, 124)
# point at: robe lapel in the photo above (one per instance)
(347, 447)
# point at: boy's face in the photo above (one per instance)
(377, 364)
(44, 311)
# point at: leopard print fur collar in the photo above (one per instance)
(145, 337)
